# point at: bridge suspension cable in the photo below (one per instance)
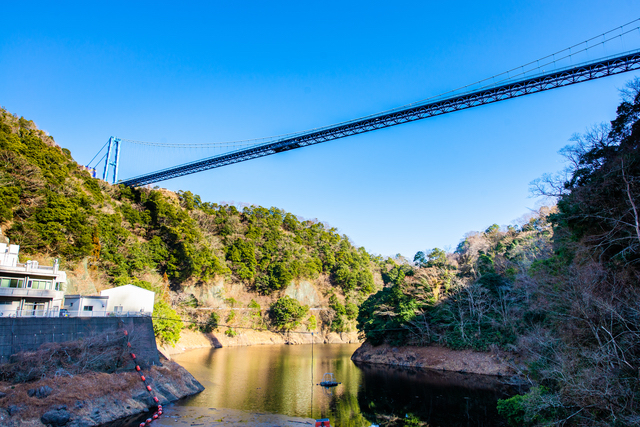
(519, 81)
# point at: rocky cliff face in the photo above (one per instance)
(92, 399)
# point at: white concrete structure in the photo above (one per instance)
(85, 305)
(129, 298)
(29, 289)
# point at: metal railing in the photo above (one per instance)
(66, 313)
(29, 292)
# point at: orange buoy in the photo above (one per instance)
(126, 333)
(155, 399)
(149, 387)
(142, 378)
(155, 416)
(137, 368)
(149, 420)
(128, 344)
(133, 356)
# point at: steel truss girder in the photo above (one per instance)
(541, 83)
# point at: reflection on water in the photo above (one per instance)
(278, 380)
(392, 396)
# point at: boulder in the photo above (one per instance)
(56, 417)
(40, 392)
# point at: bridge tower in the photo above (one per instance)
(114, 145)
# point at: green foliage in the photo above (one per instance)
(351, 310)
(312, 323)
(231, 316)
(287, 312)
(231, 333)
(166, 323)
(433, 258)
(243, 258)
(539, 406)
(190, 301)
(92, 186)
(231, 302)
(513, 410)
(9, 198)
(379, 326)
(461, 300)
(211, 324)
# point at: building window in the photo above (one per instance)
(88, 308)
(6, 282)
(117, 309)
(39, 284)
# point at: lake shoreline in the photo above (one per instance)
(436, 358)
(190, 340)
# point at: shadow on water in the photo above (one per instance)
(395, 396)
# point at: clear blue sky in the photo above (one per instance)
(198, 72)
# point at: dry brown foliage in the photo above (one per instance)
(101, 353)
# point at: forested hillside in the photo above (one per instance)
(561, 290)
(168, 242)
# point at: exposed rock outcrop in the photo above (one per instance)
(434, 357)
(94, 398)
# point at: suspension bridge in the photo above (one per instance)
(567, 67)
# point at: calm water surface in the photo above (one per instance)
(281, 379)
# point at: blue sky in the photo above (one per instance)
(199, 72)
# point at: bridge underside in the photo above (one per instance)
(540, 83)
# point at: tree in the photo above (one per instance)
(166, 323)
(436, 257)
(287, 312)
(598, 202)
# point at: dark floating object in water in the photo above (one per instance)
(328, 380)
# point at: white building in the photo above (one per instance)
(129, 299)
(29, 289)
(85, 305)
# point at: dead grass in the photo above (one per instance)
(106, 352)
(69, 390)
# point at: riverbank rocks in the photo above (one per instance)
(434, 357)
(93, 398)
(58, 417)
(41, 392)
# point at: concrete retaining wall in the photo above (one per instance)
(29, 333)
